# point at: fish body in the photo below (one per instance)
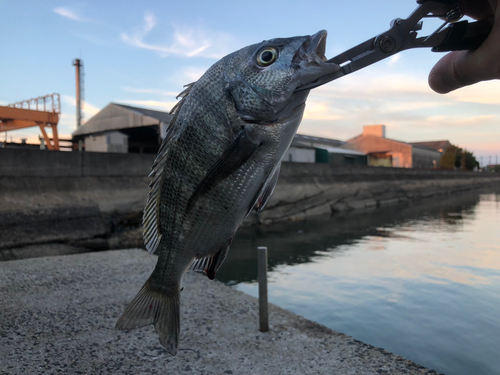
(219, 160)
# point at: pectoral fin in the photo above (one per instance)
(268, 190)
(233, 158)
(265, 192)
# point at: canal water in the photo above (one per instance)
(421, 280)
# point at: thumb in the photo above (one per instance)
(461, 68)
(455, 70)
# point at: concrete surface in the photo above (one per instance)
(69, 211)
(57, 315)
(310, 190)
(93, 201)
(31, 163)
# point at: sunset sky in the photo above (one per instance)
(142, 53)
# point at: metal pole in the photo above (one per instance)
(262, 270)
(77, 63)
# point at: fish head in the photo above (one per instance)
(264, 79)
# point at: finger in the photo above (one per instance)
(462, 68)
(451, 73)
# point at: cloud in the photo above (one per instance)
(455, 122)
(88, 109)
(320, 110)
(481, 93)
(394, 59)
(68, 13)
(189, 74)
(186, 41)
(482, 119)
(149, 91)
(324, 129)
(491, 147)
(407, 106)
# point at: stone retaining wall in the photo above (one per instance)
(95, 200)
(311, 190)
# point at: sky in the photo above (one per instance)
(142, 53)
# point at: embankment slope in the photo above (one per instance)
(57, 202)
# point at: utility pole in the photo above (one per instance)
(78, 64)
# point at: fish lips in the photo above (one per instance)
(312, 61)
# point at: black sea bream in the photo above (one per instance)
(220, 159)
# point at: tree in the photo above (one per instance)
(448, 158)
(468, 160)
(455, 157)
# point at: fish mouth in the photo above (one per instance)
(319, 40)
(313, 62)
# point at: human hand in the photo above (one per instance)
(462, 68)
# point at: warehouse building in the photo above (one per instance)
(385, 152)
(123, 128)
(311, 149)
(440, 146)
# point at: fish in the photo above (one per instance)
(219, 160)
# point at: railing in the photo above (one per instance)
(50, 103)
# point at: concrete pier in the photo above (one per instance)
(57, 315)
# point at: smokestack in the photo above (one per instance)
(78, 64)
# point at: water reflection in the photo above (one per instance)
(298, 242)
(421, 280)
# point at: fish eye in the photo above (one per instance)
(267, 57)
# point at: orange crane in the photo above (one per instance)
(43, 111)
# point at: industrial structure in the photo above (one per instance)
(78, 64)
(385, 152)
(440, 146)
(127, 129)
(42, 112)
(122, 128)
(312, 149)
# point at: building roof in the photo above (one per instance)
(312, 141)
(353, 139)
(119, 116)
(435, 145)
(422, 147)
(345, 151)
(160, 115)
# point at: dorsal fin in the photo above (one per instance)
(151, 217)
(177, 108)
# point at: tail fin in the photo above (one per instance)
(155, 306)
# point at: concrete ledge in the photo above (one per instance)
(310, 192)
(58, 315)
(31, 163)
(39, 205)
